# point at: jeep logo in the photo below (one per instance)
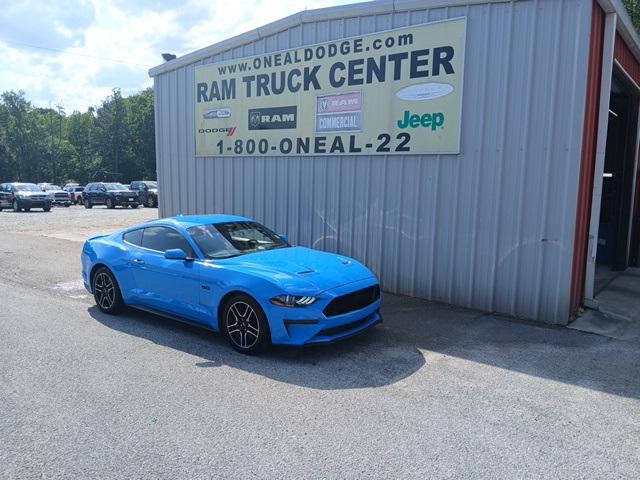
(273, 118)
(427, 120)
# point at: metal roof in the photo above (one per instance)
(308, 16)
(625, 25)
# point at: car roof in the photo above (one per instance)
(187, 221)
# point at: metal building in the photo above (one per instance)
(519, 216)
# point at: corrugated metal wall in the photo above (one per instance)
(491, 228)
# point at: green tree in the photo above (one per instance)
(45, 144)
(633, 7)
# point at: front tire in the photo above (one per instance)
(150, 202)
(245, 325)
(87, 203)
(106, 292)
(46, 209)
(134, 206)
(110, 203)
(16, 207)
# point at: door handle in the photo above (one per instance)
(139, 261)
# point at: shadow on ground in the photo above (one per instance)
(402, 345)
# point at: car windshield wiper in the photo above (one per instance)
(222, 257)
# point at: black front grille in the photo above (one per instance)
(63, 196)
(352, 301)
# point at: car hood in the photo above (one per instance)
(123, 192)
(300, 267)
(31, 194)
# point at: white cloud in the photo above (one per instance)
(135, 32)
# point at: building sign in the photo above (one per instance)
(393, 92)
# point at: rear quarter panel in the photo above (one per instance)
(114, 254)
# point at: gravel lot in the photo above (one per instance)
(75, 222)
(434, 392)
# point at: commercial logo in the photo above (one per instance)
(217, 113)
(424, 91)
(228, 131)
(425, 120)
(273, 118)
(339, 113)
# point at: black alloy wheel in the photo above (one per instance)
(245, 325)
(106, 292)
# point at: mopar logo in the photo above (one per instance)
(229, 131)
(426, 120)
(273, 118)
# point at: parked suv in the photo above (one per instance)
(110, 194)
(24, 196)
(60, 197)
(147, 192)
(75, 193)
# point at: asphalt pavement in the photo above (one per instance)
(433, 392)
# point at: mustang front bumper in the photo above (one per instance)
(309, 325)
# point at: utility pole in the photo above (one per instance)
(61, 114)
(51, 159)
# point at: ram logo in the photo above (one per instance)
(273, 118)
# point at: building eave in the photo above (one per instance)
(377, 7)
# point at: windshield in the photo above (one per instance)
(27, 187)
(225, 240)
(114, 186)
(152, 184)
(48, 188)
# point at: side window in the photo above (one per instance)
(134, 185)
(134, 237)
(162, 239)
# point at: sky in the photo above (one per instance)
(73, 53)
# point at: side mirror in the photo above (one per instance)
(176, 254)
(283, 237)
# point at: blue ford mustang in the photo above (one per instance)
(235, 276)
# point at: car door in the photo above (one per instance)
(89, 191)
(100, 192)
(139, 187)
(171, 286)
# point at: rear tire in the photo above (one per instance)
(150, 202)
(245, 325)
(16, 207)
(134, 206)
(87, 203)
(46, 209)
(106, 292)
(110, 203)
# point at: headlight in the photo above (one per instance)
(292, 301)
